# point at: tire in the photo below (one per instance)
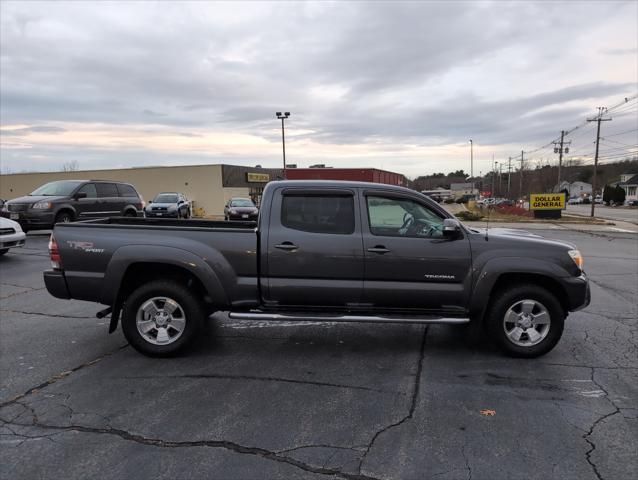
(3, 251)
(130, 213)
(166, 335)
(64, 217)
(535, 320)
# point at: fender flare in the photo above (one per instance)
(494, 268)
(65, 206)
(128, 255)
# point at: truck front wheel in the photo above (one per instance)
(525, 320)
(160, 318)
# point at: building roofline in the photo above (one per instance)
(142, 168)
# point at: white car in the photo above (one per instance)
(11, 235)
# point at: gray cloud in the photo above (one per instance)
(421, 73)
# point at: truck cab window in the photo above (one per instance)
(319, 214)
(402, 217)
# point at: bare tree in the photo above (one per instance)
(72, 166)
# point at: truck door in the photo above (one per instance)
(315, 253)
(409, 264)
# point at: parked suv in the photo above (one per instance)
(66, 201)
(169, 205)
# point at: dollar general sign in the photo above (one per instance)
(547, 201)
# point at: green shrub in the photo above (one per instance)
(469, 216)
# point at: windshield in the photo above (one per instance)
(165, 198)
(63, 187)
(241, 202)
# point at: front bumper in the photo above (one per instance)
(12, 240)
(32, 220)
(246, 217)
(56, 284)
(161, 214)
(578, 292)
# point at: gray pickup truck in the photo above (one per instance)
(320, 251)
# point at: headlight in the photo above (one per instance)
(233, 211)
(577, 258)
(41, 205)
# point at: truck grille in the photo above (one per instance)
(7, 231)
(159, 209)
(17, 207)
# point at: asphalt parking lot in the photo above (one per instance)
(294, 400)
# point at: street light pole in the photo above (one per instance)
(282, 117)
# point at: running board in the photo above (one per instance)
(280, 317)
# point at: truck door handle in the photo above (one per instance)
(287, 246)
(380, 249)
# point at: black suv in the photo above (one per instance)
(70, 200)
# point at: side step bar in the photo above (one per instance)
(280, 317)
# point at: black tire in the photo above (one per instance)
(191, 306)
(130, 213)
(64, 217)
(513, 296)
(3, 251)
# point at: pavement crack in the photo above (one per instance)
(57, 377)
(223, 444)
(356, 448)
(6, 284)
(22, 293)
(264, 379)
(415, 395)
(467, 463)
(589, 433)
(54, 315)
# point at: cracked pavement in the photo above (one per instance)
(270, 400)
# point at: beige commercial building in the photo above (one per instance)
(208, 186)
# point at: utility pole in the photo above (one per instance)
(520, 186)
(599, 118)
(509, 177)
(472, 163)
(500, 174)
(559, 149)
(493, 174)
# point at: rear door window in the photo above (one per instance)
(126, 190)
(318, 213)
(106, 190)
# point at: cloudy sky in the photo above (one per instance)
(400, 86)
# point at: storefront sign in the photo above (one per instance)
(257, 177)
(547, 201)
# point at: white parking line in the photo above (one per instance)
(622, 230)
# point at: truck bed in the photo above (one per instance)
(97, 254)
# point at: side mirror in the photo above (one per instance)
(79, 195)
(180, 202)
(451, 227)
(150, 201)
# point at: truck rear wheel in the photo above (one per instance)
(525, 321)
(160, 318)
